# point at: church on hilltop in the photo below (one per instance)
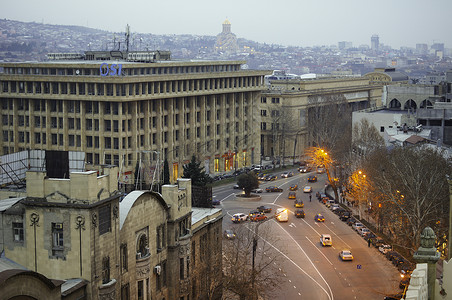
(226, 40)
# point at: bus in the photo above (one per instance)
(282, 215)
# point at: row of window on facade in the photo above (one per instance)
(273, 100)
(131, 89)
(125, 71)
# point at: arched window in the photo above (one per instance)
(394, 104)
(410, 104)
(142, 247)
(426, 104)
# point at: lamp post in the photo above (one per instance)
(255, 238)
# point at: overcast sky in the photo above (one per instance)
(287, 22)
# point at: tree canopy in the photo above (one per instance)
(412, 191)
(196, 173)
(248, 182)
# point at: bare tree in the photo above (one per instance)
(413, 191)
(283, 127)
(329, 122)
(238, 276)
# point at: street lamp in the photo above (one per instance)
(255, 237)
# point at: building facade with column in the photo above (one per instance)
(80, 232)
(124, 108)
(293, 99)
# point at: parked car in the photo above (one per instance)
(216, 202)
(320, 170)
(286, 174)
(292, 195)
(258, 190)
(298, 203)
(258, 217)
(329, 203)
(264, 209)
(273, 189)
(326, 240)
(345, 216)
(351, 221)
(357, 225)
(229, 234)
(334, 206)
(293, 187)
(385, 248)
(339, 211)
(299, 213)
(363, 231)
(319, 218)
(312, 178)
(346, 255)
(307, 189)
(239, 217)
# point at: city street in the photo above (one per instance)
(310, 270)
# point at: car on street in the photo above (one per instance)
(345, 255)
(304, 169)
(345, 216)
(312, 178)
(264, 209)
(319, 218)
(298, 204)
(335, 206)
(273, 189)
(293, 187)
(363, 231)
(299, 213)
(258, 190)
(254, 212)
(307, 189)
(229, 234)
(282, 215)
(357, 225)
(320, 170)
(271, 178)
(351, 221)
(236, 187)
(258, 217)
(239, 217)
(326, 240)
(216, 202)
(292, 195)
(286, 174)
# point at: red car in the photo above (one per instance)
(258, 217)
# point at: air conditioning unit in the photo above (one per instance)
(138, 255)
(157, 270)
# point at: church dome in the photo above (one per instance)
(226, 22)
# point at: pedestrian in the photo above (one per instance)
(369, 241)
(310, 197)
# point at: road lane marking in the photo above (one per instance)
(338, 237)
(330, 294)
(319, 250)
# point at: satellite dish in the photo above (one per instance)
(77, 72)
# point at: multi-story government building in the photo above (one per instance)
(291, 102)
(124, 108)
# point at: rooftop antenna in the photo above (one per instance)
(127, 37)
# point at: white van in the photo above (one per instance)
(282, 215)
(325, 240)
